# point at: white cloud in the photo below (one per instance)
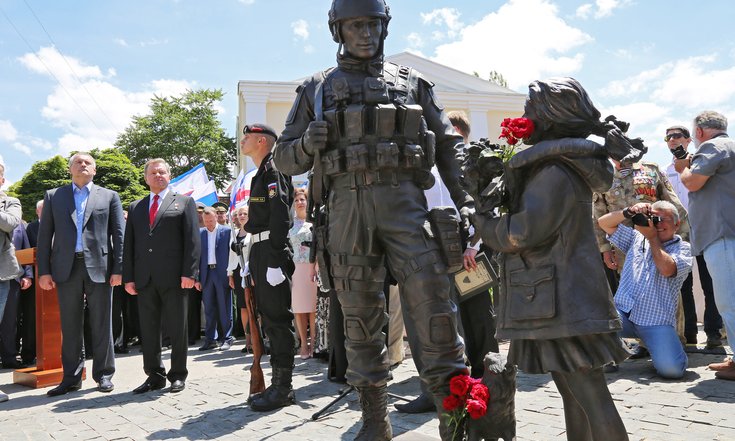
(22, 148)
(300, 29)
(309, 49)
(605, 8)
(448, 17)
(246, 2)
(690, 83)
(584, 11)
(121, 42)
(91, 113)
(7, 131)
(524, 40)
(415, 39)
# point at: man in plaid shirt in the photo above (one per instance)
(656, 263)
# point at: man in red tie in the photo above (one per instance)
(160, 261)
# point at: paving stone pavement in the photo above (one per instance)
(212, 406)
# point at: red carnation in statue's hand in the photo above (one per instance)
(451, 402)
(521, 128)
(476, 409)
(480, 392)
(459, 385)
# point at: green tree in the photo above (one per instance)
(498, 78)
(495, 77)
(184, 131)
(114, 171)
(43, 175)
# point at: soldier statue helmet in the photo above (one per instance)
(346, 9)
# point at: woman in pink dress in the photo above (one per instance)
(304, 287)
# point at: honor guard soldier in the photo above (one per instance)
(270, 263)
(370, 131)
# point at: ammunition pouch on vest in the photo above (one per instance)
(381, 134)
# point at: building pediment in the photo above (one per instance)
(449, 79)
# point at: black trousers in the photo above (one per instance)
(712, 319)
(274, 307)
(8, 325)
(72, 295)
(26, 335)
(194, 315)
(157, 304)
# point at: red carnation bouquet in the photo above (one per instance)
(467, 396)
(516, 129)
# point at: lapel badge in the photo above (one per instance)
(272, 190)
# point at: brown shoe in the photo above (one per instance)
(728, 374)
(722, 366)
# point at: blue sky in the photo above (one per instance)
(72, 73)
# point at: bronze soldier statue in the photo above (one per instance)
(371, 130)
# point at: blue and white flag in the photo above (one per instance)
(196, 183)
(240, 193)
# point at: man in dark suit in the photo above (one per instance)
(80, 253)
(32, 227)
(213, 282)
(161, 260)
(8, 324)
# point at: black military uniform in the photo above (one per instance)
(383, 123)
(271, 195)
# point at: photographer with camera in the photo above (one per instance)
(657, 261)
(678, 139)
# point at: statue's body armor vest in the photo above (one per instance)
(375, 127)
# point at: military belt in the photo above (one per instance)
(259, 237)
(368, 177)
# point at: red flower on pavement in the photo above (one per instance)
(451, 402)
(468, 396)
(459, 385)
(480, 392)
(476, 408)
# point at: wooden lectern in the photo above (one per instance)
(48, 371)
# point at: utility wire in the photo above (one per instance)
(49, 71)
(112, 124)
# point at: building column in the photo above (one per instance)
(478, 121)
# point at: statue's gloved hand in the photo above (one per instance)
(274, 276)
(465, 213)
(315, 137)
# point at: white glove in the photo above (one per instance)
(274, 276)
(244, 271)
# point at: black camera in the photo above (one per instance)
(679, 152)
(641, 219)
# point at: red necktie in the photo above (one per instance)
(154, 209)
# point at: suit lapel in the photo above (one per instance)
(91, 199)
(162, 207)
(69, 198)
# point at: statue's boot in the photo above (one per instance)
(278, 394)
(375, 421)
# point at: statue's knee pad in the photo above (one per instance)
(442, 329)
(355, 329)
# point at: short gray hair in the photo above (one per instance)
(667, 206)
(156, 161)
(710, 119)
(210, 210)
(2, 170)
(71, 160)
(39, 204)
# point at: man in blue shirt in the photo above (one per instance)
(656, 263)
